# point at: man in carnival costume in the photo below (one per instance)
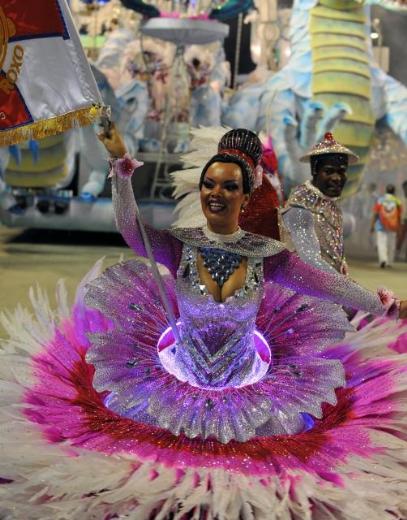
(312, 220)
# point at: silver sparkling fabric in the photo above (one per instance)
(218, 346)
(299, 231)
(167, 250)
(300, 235)
(329, 145)
(290, 271)
(223, 391)
(214, 398)
(249, 244)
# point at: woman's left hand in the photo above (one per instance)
(403, 310)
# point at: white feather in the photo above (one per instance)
(204, 145)
(93, 273)
(188, 211)
(60, 482)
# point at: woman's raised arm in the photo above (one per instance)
(166, 248)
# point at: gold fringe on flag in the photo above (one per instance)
(53, 126)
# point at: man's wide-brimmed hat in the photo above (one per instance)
(329, 145)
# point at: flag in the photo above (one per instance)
(46, 85)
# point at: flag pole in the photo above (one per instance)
(157, 277)
(106, 124)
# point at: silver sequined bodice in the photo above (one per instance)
(328, 222)
(217, 348)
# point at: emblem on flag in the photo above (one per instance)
(7, 30)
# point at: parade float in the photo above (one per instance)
(156, 82)
(163, 70)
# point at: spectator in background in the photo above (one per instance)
(386, 222)
(402, 234)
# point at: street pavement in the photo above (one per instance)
(39, 257)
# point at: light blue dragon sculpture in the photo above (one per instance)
(331, 82)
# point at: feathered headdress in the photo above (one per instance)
(204, 144)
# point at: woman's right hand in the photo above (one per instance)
(113, 141)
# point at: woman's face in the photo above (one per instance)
(222, 197)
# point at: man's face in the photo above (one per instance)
(329, 175)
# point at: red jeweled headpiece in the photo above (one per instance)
(245, 145)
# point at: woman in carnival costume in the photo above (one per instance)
(254, 405)
(260, 215)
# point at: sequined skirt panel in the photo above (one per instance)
(137, 385)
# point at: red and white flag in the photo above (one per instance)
(46, 85)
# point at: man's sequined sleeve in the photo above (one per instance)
(300, 224)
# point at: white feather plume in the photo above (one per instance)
(204, 145)
(56, 481)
